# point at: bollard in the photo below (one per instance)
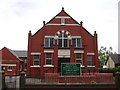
(22, 80)
(117, 80)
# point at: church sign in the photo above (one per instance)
(70, 69)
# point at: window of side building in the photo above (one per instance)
(9, 68)
(36, 60)
(48, 58)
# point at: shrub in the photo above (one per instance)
(109, 70)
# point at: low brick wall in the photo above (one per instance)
(86, 78)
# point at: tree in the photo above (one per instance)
(103, 55)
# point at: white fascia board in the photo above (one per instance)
(78, 51)
(35, 53)
(8, 64)
(65, 24)
(76, 36)
(62, 17)
(90, 53)
(48, 65)
(48, 51)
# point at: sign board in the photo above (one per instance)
(70, 69)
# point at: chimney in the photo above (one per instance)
(43, 23)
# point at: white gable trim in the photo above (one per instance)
(65, 24)
(62, 17)
(35, 53)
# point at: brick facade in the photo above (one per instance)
(61, 40)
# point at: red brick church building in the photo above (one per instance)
(61, 40)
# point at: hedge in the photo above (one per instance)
(109, 70)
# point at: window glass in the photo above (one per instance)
(36, 59)
(76, 42)
(2, 67)
(62, 21)
(79, 58)
(63, 40)
(48, 58)
(49, 42)
(9, 68)
(46, 42)
(89, 60)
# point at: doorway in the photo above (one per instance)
(62, 60)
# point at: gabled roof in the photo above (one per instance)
(115, 58)
(62, 14)
(18, 53)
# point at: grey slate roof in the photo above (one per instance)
(18, 53)
(115, 58)
(21, 53)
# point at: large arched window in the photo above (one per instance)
(62, 40)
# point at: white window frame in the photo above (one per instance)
(10, 69)
(91, 61)
(63, 38)
(49, 46)
(77, 42)
(48, 58)
(38, 60)
(79, 58)
(62, 21)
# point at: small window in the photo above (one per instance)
(79, 58)
(89, 60)
(76, 42)
(9, 68)
(2, 67)
(62, 21)
(49, 42)
(36, 59)
(48, 58)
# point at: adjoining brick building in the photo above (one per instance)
(12, 62)
(61, 40)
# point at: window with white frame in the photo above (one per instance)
(48, 58)
(2, 67)
(36, 60)
(62, 21)
(89, 60)
(63, 40)
(48, 42)
(76, 42)
(78, 58)
(9, 68)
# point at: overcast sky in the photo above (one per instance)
(17, 17)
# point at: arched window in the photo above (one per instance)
(62, 40)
